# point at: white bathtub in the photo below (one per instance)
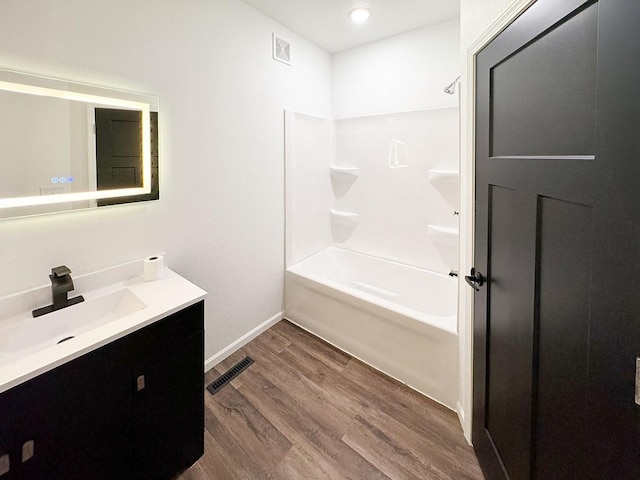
(399, 319)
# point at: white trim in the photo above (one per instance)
(241, 342)
(460, 412)
(92, 167)
(289, 133)
(467, 203)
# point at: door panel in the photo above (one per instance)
(557, 233)
(532, 143)
(562, 331)
(118, 154)
(118, 148)
(543, 95)
(510, 329)
(614, 418)
(169, 411)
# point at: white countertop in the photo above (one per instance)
(162, 297)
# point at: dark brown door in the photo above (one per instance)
(118, 148)
(119, 153)
(557, 321)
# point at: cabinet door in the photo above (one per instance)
(169, 411)
(93, 405)
(26, 423)
(169, 403)
(73, 422)
(7, 460)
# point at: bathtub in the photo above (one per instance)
(399, 319)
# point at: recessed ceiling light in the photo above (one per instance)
(359, 15)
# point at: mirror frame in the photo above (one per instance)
(50, 87)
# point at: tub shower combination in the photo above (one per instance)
(400, 319)
(350, 278)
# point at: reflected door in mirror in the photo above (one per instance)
(119, 153)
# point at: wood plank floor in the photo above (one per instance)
(305, 410)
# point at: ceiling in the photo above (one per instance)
(326, 22)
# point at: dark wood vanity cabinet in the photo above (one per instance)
(133, 409)
(22, 423)
(169, 400)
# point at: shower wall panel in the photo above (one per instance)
(308, 147)
(392, 195)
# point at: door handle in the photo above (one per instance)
(475, 280)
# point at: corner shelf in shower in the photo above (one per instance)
(340, 215)
(444, 178)
(445, 236)
(343, 224)
(345, 171)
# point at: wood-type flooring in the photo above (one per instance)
(306, 410)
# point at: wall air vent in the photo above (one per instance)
(281, 50)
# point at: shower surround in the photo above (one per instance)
(377, 186)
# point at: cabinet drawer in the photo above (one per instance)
(164, 333)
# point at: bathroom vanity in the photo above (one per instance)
(123, 400)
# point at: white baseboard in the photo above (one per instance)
(241, 342)
(460, 412)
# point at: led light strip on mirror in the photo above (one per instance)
(83, 97)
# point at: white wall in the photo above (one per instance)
(221, 213)
(401, 73)
(36, 143)
(476, 17)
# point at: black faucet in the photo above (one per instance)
(61, 285)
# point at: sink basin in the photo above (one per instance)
(26, 335)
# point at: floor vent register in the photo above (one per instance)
(229, 375)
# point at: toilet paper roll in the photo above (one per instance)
(153, 268)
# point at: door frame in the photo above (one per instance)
(467, 211)
(92, 159)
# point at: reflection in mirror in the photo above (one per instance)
(118, 156)
(65, 146)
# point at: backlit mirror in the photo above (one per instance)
(66, 145)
